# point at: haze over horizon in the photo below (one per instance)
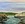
(11, 6)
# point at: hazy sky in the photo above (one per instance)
(11, 6)
(12, 0)
(14, 6)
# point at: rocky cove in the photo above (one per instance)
(12, 20)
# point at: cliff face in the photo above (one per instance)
(3, 15)
(20, 14)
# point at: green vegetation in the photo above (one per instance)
(8, 13)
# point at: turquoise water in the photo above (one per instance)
(12, 20)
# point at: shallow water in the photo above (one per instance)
(12, 20)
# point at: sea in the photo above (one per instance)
(12, 20)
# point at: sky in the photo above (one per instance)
(4, 6)
(12, 5)
(12, 0)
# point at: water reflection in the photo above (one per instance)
(12, 20)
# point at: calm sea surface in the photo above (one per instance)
(12, 20)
